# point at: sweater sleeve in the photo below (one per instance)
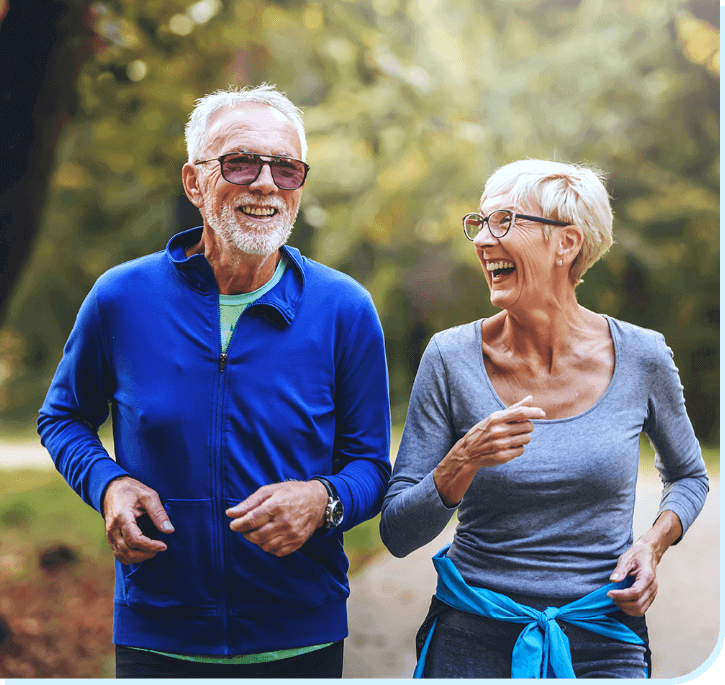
(413, 512)
(361, 454)
(678, 455)
(77, 405)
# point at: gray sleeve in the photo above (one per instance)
(413, 512)
(678, 455)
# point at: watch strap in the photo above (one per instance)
(334, 510)
(331, 492)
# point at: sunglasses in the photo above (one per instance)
(243, 168)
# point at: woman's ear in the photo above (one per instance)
(192, 187)
(571, 239)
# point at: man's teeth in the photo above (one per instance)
(258, 211)
(495, 266)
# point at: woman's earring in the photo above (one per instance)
(559, 262)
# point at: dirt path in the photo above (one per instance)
(389, 600)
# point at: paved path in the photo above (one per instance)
(390, 599)
(24, 455)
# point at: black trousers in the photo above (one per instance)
(322, 663)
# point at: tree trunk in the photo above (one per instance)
(43, 44)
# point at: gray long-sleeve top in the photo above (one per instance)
(552, 522)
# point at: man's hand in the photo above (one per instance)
(125, 500)
(281, 517)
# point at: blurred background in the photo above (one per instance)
(409, 105)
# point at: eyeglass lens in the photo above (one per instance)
(288, 174)
(499, 223)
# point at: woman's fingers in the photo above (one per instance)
(522, 412)
(502, 436)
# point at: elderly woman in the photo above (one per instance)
(528, 424)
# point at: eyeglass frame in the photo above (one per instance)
(514, 216)
(270, 158)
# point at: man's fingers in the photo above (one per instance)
(251, 520)
(152, 506)
(251, 503)
(135, 539)
(127, 555)
(272, 540)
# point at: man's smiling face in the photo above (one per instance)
(256, 218)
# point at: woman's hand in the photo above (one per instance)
(497, 439)
(641, 561)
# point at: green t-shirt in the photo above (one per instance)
(232, 306)
(246, 659)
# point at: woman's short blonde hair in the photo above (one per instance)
(571, 193)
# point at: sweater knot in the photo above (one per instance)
(547, 615)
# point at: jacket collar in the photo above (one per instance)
(279, 305)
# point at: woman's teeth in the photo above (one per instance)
(496, 266)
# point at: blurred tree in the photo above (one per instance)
(43, 45)
(409, 106)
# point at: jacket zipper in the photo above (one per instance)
(218, 484)
(221, 517)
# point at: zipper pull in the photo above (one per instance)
(222, 362)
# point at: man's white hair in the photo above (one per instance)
(571, 193)
(197, 128)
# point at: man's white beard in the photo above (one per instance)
(250, 237)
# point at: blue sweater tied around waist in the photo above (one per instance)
(542, 649)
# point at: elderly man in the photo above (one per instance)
(249, 396)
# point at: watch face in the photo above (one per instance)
(335, 514)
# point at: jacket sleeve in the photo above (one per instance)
(678, 455)
(361, 453)
(77, 405)
(413, 511)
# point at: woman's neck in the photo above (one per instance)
(541, 336)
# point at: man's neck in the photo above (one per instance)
(235, 271)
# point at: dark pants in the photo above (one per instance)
(469, 646)
(322, 663)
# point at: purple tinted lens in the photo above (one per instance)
(241, 169)
(288, 174)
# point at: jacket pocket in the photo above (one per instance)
(183, 574)
(259, 580)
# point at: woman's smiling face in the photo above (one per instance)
(518, 267)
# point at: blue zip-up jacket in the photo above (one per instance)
(302, 391)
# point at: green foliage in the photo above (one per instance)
(409, 106)
(38, 509)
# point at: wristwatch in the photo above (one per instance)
(335, 511)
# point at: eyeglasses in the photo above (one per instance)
(243, 168)
(499, 222)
